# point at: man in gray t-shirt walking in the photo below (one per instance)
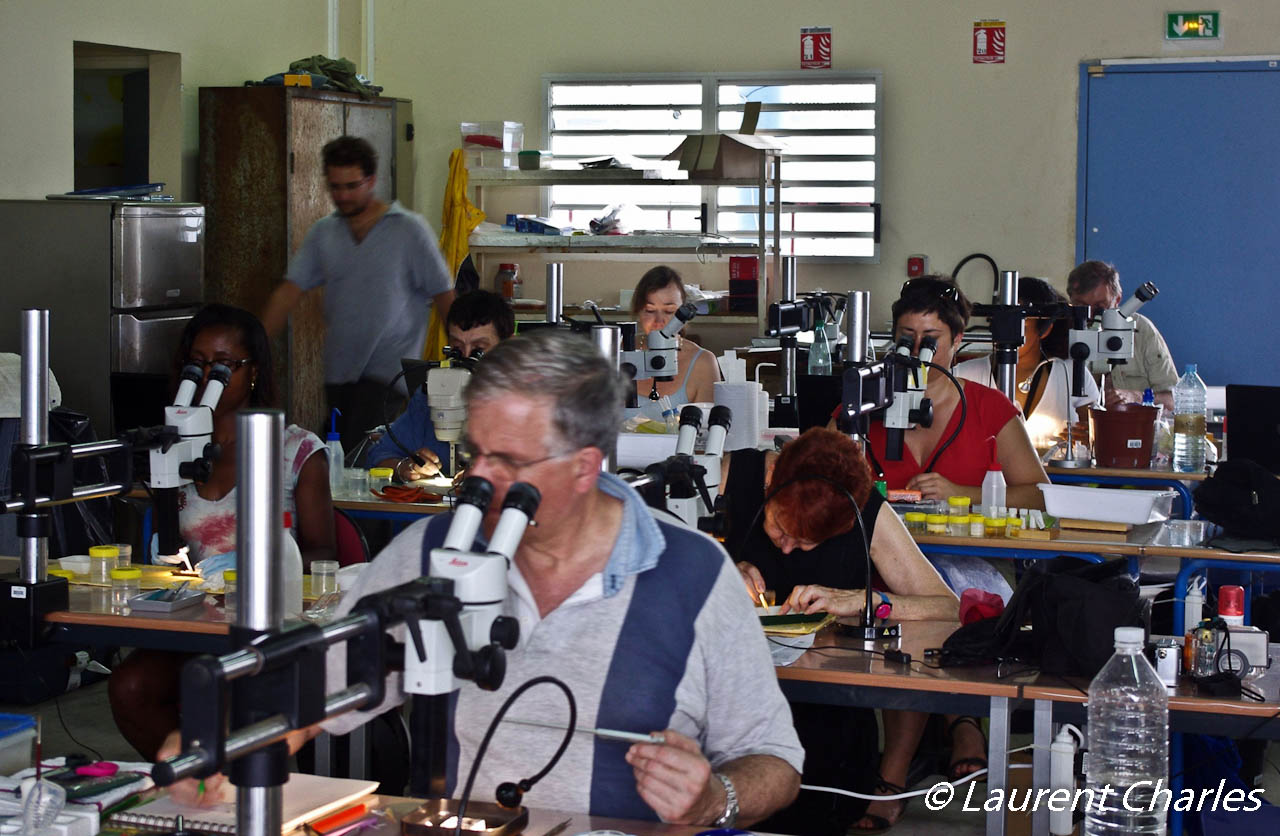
(381, 271)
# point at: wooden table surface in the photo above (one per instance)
(1125, 473)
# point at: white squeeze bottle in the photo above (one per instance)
(334, 444)
(291, 571)
(993, 484)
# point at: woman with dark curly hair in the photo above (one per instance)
(793, 529)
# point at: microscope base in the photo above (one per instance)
(24, 607)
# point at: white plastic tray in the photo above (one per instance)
(1115, 505)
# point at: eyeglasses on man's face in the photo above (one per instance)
(505, 466)
(338, 188)
(936, 287)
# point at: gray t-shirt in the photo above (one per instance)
(664, 637)
(378, 291)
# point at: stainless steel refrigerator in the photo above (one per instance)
(120, 279)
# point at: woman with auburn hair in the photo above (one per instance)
(793, 528)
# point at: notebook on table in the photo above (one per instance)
(305, 797)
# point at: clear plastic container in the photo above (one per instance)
(508, 281)
(125, 558)
(977, 526)
(492, 144)
(915, 521)
(125, 583)
(355, 482)
(993, 526)
(936, 524)
(1189, 396)
(324, 577)
(1012, 523)
(1128, 712)
(379, 478)
(958, 525)
(102, 559)
(958, 506)
(230, 595)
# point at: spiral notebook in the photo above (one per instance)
(306, 797)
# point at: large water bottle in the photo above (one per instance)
(820, 352)
(1128, 743)
(1188, 422)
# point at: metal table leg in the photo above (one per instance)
(1042, 740)
(998, 762)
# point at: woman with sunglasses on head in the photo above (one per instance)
(933, 307)
(1045, 374)
(793, 529)
(144, 688)
(658, 295)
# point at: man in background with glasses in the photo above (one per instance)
(381, 270)
(644, 620)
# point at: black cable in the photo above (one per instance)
(388, 421)
(493, 726)
(964, 412)
(995, 270)
(57, 704)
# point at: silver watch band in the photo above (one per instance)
(730, 815)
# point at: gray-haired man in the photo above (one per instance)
(644, 620)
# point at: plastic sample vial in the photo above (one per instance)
(379, 478)
(125, 558)
(936, 524)
(125, 584)
(1012, 523)
(915, 521)
(65, 574)
(993, 526)
(102, 559)
(958, 525)
(977, 526)
(958, 506)
(229, 594)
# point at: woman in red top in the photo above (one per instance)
(934, 307)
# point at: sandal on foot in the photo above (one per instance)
(955, 769)
(879, 824)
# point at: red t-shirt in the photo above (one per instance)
(965, 461)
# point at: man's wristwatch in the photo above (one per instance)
(730, 815)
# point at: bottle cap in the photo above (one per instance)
(380, 472)
(1129, 636)
(333, 425)
(937, 518)
(66, 574)
(288, 520)
(131, 574)
(914, 516)
(103, 551)
(959, 519)
(994, 459)
(958, 500)
(229, 576)
(1231, 600)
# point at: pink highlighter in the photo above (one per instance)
(101, 769)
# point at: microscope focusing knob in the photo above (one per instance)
(505, 632)
(490, 667)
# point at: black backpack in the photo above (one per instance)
(1243, 498)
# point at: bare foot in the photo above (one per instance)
(881, 815)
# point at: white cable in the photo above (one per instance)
(911, 794)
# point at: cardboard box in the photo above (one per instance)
(722, 156)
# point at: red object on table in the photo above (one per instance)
(977, 604)
(339, 818)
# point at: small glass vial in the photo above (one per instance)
(102, 559)
(125, 559)
(230, 594)
(1012, 523)
(936, 524)
(125, 584)
(993, 526)
(958, 525)
(379, 478)
(915, 521)
(977, 526)
(958, 506)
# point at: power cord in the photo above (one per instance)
(57, 704)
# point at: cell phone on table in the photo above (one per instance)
(81, 786)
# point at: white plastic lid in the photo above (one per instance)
(1130, 636)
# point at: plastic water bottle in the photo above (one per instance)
(1188, 422)
(333, 442)
(820, 352)
(1128, 729)
(291, 574)
(993, 485)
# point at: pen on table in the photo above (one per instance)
(607, 734)
(559, 828)
(338, 819)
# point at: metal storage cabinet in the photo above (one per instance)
(261, 181)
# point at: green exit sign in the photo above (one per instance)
(1185, 26)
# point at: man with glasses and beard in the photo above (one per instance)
(381, 270)
(644, 620)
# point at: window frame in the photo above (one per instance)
(711, 110)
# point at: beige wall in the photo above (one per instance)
(977, 158)
(220, 43)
